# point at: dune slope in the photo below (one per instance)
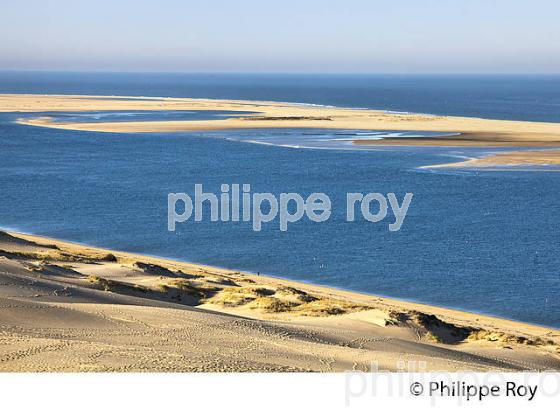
(67, 307)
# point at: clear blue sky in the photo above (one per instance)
(366, 36)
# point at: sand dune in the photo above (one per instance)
(67, 307)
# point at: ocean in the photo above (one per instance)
(479, 241)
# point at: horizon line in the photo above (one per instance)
(310, 73)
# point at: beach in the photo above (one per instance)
(463, 131)
(69, 307)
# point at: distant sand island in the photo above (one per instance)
(465, 132)
(68, 307)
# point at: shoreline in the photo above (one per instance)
(300, 283)
(40, 274)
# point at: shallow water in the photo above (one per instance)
(478, 241)
(132, 115)
(320, 138)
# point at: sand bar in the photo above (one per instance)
(542, 158)
(474, 131)
(464, 132)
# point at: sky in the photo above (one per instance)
(328, 36)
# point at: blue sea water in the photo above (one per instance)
(478, 241)
(132, 115)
